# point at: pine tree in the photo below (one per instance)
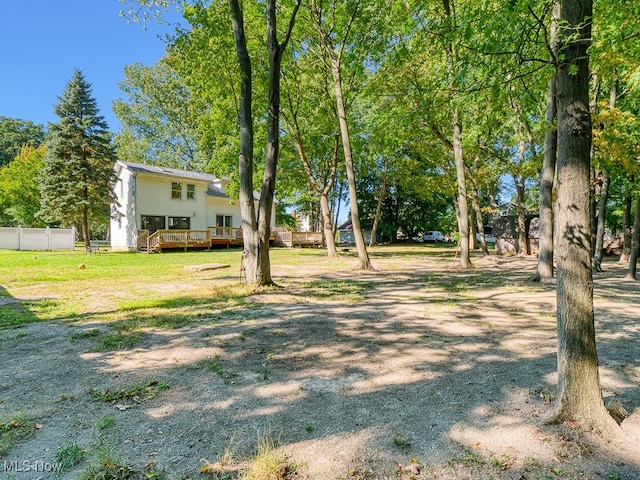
(77, 179)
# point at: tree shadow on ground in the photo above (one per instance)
(454, 368)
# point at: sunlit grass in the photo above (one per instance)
(156, 291)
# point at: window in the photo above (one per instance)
(191, 191)
(179, 223)
(223, 220)
(152, 223)
(176, 190)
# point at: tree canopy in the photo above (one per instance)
(15, 134)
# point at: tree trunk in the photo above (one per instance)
(463, 208)
(336, 71)
(327, 226)
(626, 229)
(322, 187)
(473, 229)
(635, 245)
(545, 241)
(85, 227)
(376, 220)
(256, 231)
(579, 397)
(363, 256)
(337, 208)
(523, 241)
(245, 166)
(479, 223)
(602, 210)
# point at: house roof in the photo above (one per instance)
(211, 180)
(215, 191)
(174, 172)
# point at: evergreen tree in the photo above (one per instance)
(78, 174)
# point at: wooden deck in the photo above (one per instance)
(185, 239)
(288, 238)
(226, 236)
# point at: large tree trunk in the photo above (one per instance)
(336, 71)
(463, 207)
(635, 244)
(256, 231)
(363, 257)
(602, 210)
(245, 165)
(545, 241)
(579, 397)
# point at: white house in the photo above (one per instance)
(155, 198)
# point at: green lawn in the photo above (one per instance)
(74, 286)
(42, 286)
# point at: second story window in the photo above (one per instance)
(191, 191)
(176, 190)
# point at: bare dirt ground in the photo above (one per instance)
(352, 374)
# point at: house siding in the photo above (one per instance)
(123, 228)
(154, 199)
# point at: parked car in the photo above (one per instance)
(488, 237)
(433, 236)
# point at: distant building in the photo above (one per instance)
(505, 230)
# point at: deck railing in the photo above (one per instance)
(226, 233)
(307, 238)
(290, 239)
(177, 238)
(141, 239)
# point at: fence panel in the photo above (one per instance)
(34, 239)
(62, 238)
(9, 238)
(18, 238)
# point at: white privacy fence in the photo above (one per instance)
(19, 238)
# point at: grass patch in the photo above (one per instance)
(105, 422)
(119, 341)
(15, 429)
(401, 441)
(467, 456)
(343, 290)
(268, 463)
(15, 315)
(107, 467)
(212, 364)
(84, 334)
(138, 393)
(69, 455)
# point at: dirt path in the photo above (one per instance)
(350, 374)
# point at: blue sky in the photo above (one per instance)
(43, 41)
